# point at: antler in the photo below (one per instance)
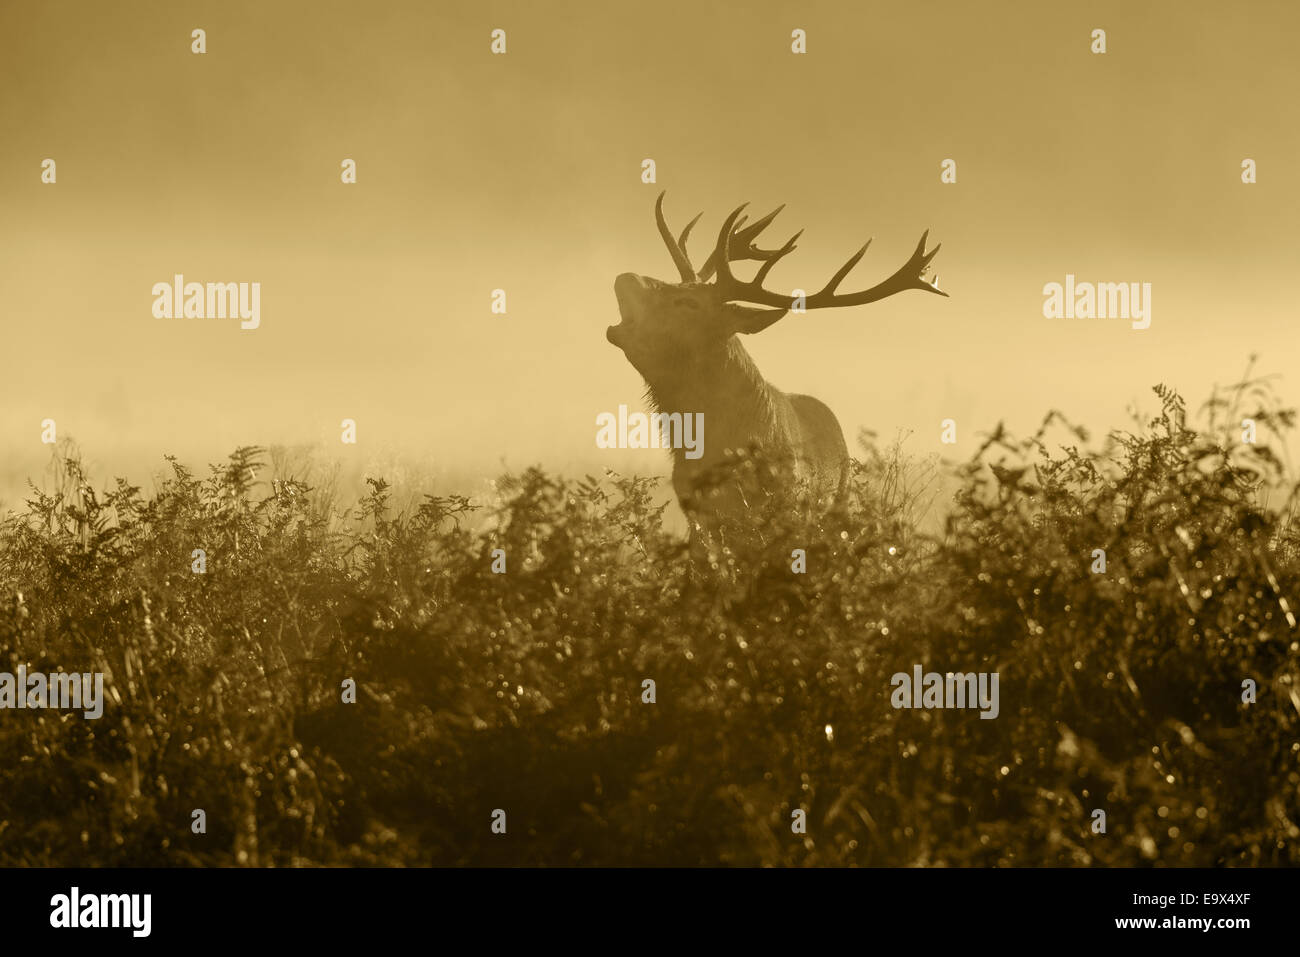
(741, 244)
(736, 243)
(911, 275)
(676, 247)
(740, 247)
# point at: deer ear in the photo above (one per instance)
(748, 320)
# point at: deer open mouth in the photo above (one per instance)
(622, 292)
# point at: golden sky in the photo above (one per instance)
(522, 172)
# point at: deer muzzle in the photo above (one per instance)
(627, 289)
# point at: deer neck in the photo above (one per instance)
(738, 404)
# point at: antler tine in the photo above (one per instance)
(756, 227)
(785, 250)
(681, 240)
(676, 249)
(843, 271)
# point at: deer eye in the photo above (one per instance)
(684, 301)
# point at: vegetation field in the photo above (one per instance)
(1161, 690)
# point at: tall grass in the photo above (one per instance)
(1120, 691)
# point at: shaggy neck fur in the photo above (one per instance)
(739, 405)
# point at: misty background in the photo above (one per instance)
(522, 172)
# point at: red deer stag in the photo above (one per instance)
(682, 338)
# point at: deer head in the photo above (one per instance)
(666, 326)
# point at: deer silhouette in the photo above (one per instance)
(760, 444)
